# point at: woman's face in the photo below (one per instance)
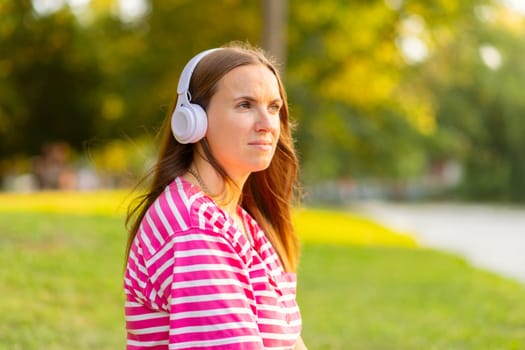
(243, 120)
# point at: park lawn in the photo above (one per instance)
(375, 298)
(62, 266)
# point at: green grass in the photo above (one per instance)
(361, 286)
(60, 281)
(368, 298)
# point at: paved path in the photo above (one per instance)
(492, 238)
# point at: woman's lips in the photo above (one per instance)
(261, 144)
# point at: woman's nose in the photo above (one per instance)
(266, 120)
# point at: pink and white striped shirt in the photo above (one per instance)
(194, 281)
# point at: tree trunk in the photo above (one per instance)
(274, 30)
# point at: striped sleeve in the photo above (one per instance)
(211, 302)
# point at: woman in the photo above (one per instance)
(212, 253)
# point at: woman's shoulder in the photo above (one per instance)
(182, 208)
(183, 212)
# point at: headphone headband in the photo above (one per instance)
(185, 77)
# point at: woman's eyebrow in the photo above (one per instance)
(246, 97)
(253, 99)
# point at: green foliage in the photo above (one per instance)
(79, 80)
(364, 107)
(483, 110)
(49, 80)
(125, 161)
(142, 60)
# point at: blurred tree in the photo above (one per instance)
(142, 58)
(355, 79)
(49, 80)
(97, 75)
(345, 70)
(478, 80)
(381, 88)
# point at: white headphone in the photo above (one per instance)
(189, 121)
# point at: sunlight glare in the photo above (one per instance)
(490, 56)
(45, 7)
(516, 5)
(133, 10)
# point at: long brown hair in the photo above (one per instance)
(267, 195)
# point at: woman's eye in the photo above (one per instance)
(274, 108)
(244, 105)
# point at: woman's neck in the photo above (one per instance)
(204, 175)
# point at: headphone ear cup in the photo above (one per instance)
(201, 122)
(189, 123)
